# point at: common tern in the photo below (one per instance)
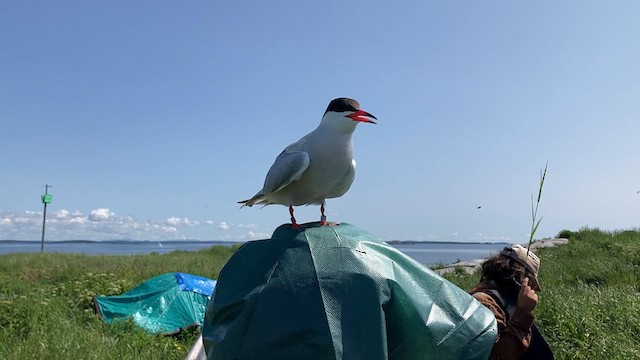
(317, 167)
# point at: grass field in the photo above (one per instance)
(589, 307)
(46, 310)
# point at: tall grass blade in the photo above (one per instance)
(534, 208)
(542, 176)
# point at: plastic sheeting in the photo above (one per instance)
(163, 304)
(338, 292)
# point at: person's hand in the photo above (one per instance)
(527, 297)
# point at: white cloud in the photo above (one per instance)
(100, 215)
(253, 235)
(188, 222)
(12, 221)
(62, 214)
(104, 224)
(78, 220)
(174, 221)
(485, 238)
(169, 229)
(24, 220)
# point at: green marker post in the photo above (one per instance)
(46, 199)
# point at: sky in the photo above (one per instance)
(152, 119)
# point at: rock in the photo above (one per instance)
(469, 267)
(546, 243)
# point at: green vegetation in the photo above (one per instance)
(589, 307)
(46, 310)
(590, 301)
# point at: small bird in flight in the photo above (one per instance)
(317, 167)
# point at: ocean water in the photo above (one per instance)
(429, 253)
(424, 252)
(119, 247)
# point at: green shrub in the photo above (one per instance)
(566, 234)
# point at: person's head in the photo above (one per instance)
(510, 267)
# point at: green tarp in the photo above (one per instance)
(163, 304)
(338, 292)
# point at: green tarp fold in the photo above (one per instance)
(338, 292)
(163, 304)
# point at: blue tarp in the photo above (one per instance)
(195, 283)
(163, 304)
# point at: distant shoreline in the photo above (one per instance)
(411, 242)
(425, 252)
(124, 241)
(391, 242)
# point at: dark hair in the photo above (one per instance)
(507, 273)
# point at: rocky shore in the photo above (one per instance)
(471, 266)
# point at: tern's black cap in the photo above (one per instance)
(343, 104)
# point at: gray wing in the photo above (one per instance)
(288, 167)
(345, 183)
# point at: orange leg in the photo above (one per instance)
(323, 218)
(294, 224)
